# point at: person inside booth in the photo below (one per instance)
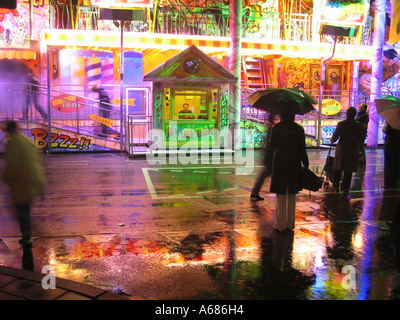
(186, 110)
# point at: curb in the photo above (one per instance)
(16, 284)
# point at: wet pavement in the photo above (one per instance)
(173, 231)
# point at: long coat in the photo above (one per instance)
(289, 146)
(23, 171)
(350, 135)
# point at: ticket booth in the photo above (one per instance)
(191, 98)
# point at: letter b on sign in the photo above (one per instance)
(349, 280)
(49, 280)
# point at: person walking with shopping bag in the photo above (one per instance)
(350, 134)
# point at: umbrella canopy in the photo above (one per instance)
(282, 101)
(389, 109)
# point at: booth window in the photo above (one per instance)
(191, 105)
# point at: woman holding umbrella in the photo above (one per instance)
(288, 144)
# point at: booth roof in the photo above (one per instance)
(165, 71)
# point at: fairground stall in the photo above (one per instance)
(191, 99)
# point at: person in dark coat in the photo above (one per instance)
(267, 170)
(104, 107)
(288, 144)
(350, 135)
(392, 157)
(363, 119)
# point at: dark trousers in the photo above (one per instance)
(105, 114)
(363, 157)
(347, 175)
(24, 219)
(35, 101)
(391, 168)
(265, 173)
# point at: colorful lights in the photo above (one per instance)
(136, 41)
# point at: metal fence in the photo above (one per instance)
(65, 109)
(137, 131)
(76, 109)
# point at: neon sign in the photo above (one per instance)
(343, 12)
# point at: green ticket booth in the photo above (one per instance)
(191, 99)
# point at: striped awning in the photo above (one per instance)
(17, 54)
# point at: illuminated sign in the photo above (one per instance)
(123, 3)
(102, 120)
(330, 107)
(67, 103)
(344, 12)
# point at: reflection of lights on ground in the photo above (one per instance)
(305, 251)
(357, 241)
(318, 262)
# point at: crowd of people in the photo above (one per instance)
(285, 154)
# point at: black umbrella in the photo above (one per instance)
(282, 101)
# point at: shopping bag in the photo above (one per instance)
(310, 181)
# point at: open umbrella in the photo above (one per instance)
(389, 109)
(282, 101)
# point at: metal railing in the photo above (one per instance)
(309, 121)
(137, 130)
(68, 110)
(72, 110)
(200, 21)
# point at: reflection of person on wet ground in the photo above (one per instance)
(349, 133)
(363, 119)
(32, 96)
(104, 107)
(343, 223)
(392, 157)
(267, 170)
(288, 144)
(279, 280)
(27, 258)
(24, 176)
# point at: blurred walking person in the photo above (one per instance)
(363, 119)
(349, 132)
(104, 107)
(32, 97)
(24, 175)
(288, 145)
(392, 157)
(267, 170)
